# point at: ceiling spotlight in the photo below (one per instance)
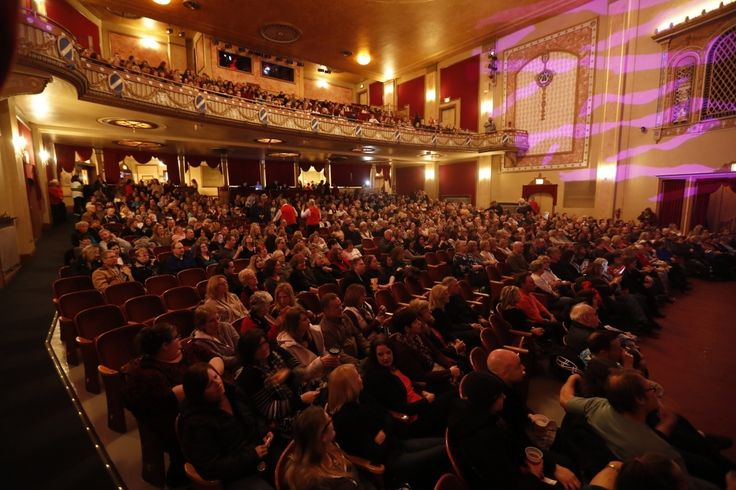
(162, 2)
(363, 59)
(169, 30)
(191, 5)
(346, 53)
(182, 33)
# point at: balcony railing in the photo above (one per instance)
(46, 45)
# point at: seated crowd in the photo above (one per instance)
(296, 351)
(252, 92)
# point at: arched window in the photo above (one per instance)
(719, 91)
(683, 78)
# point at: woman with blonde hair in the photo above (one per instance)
(439, 297)
(362, 431)
(317, 463)
(508, 306)
(228, 306)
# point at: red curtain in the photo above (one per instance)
(411, 93)
(458, 179)
(671, 196)
(65, 157)
(375, 94)
(281, 172)
(704, 189)
(112, 164)
(79, 25)
(172, 168)
(242, 171)
(212, 161)
(350, 174)
(318, 166)
(409, 179)
(460, 81)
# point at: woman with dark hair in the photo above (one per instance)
(317, 463)
(305, 342)
(202, 255)
(271, 380)
(365, 430)
(213, 338)
(226, 267)
(272, 271)
(219, 435)
(393, 390)
(152, 390)
(360, 314)
(418, 359)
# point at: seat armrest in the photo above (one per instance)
(520, 333)
(375, 469)
(106, 371)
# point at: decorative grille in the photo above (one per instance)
(683, 91)
(719, 92)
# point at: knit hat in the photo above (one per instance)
(482, 389)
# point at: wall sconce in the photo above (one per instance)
(428, 174)
(606, 171)
(43, 155)
(492, 66)
(539, 180)
(733, 167)
(19, 143)
(430, 95)
(484, 173)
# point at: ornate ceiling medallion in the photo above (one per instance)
(140, 144)
(284, 154)
(129, 123)
(280, 32)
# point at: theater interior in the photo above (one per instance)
(589, 108)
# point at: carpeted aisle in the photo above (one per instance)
(44, 442)
(695, 357)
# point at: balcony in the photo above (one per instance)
(47, 46)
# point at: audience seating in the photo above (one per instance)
(310, 301)
(181, 298)
(430, 258)
(240, 264)
(425, 280)
(115, 348)
(118, 294)
(452, 455)
(64, 271)
(330, 287)
(90, 323)
(69, 285)
(210, 270)
(183, 320)
(163, 256)
(415, 287)
(159, 250)
(160, 283)
(444, 256)
(198, 483)
(191, 277)
(384, 298)
(439, 271)
(448, 481)
(401, 294)
(144, 309)
(477, 357)
(202, 291)
(69, 305)
(367, 243)
(280, 473)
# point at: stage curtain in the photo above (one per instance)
(112, 164)
(350, 174)
(318, 166)
(242, 171)
(409, 179)
(281, 172)
(65, 157)
(704, 189)
(375, 94)
(458, 179)
(670, 202)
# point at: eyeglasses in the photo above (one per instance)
(656, 388)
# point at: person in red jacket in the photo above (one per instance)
(312, 215)
(288, 214)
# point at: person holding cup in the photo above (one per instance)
(490, 455)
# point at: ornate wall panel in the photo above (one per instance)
(548, 90)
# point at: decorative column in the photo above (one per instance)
(99, 162)
(328, 172)
(224, 169)
(372, 178)
(296, 172)
(262, 171)
(181, 160)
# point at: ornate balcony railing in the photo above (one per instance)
(46, 45)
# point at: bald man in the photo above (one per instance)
(506, 365)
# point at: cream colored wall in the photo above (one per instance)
(624, 160)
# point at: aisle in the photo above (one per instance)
(46, 446)
(694, 358)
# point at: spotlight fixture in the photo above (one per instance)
(162, 2)
(191, 5)
(346, 53)
(182, 34)
(324, 69)
(492, 65)
(169, 30)
(363, 58)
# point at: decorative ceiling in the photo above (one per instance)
(399, 35)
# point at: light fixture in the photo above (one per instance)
(162, 2)
(269, 141)
(169, 30)
(430, 95)
(446, 100)
(140, 144)
(128, 123)
(367, 183)
(19, 142)
(484, 173)
(322, 83)
(428, 174)
(733, 167)
(364, 149)
(284, 154)
(148, 42)
(429, 155)
(43, 155)
(539, 180)
(148, 22)
(363, 58)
